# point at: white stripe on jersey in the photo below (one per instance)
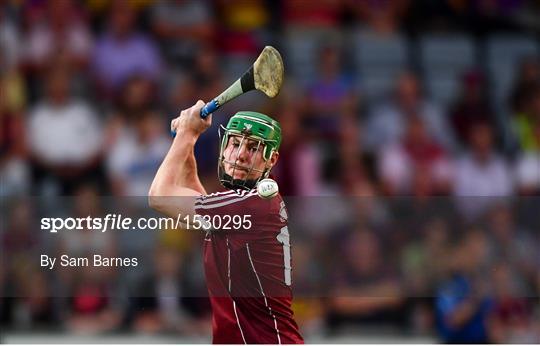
(201, 204)
(222, 196)
(238, 322)
(228, 263)
(262, 291)
(216, 196)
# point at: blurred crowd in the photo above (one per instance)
(425, 114)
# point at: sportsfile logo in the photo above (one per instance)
(121, 223)
(110, 221)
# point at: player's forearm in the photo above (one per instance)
(177, 175)
(176, 183)
(178, 170)
(187, 173)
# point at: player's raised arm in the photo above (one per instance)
(176, 183)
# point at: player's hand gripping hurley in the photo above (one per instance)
(265, 75)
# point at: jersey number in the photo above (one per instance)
(283, 238)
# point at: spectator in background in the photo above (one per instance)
(136, 96)
(463, 304)
(14, 170)
(383, 17)
(353, 175)
(83, 243)
(35, 305)
(527, 117)
(10, 40)
(528, 75)
(56, 27)
(481, 174)
(512, 319)
(122, 52)
(364, 289)
(423, 264)
(165, 302)
(243, 23)
(471, 107)
(528, 167)
(331, 96)
(26, 299)
(428, 258)
(183, 28)
(19, 243)
(308, 277)
(92, 303)
(415, 154)
(512, 244)
(527, 126)
(299, 168)
(388, 121)
(312, 14)
(134, 158)
(203, 81)
(64, 137)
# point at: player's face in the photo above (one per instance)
(243, 158)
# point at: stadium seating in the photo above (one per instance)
(301, 48)
(444, 59)
(379, 60)
(503, 55)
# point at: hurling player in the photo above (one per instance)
(248, 270)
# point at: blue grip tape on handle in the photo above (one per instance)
(208, 109)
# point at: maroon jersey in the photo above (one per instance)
(248, 270)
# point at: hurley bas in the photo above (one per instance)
(95, 261)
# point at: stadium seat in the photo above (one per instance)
(504, 54)
(301, 51)
(236, 65)
(379, 60)
(444, 59)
